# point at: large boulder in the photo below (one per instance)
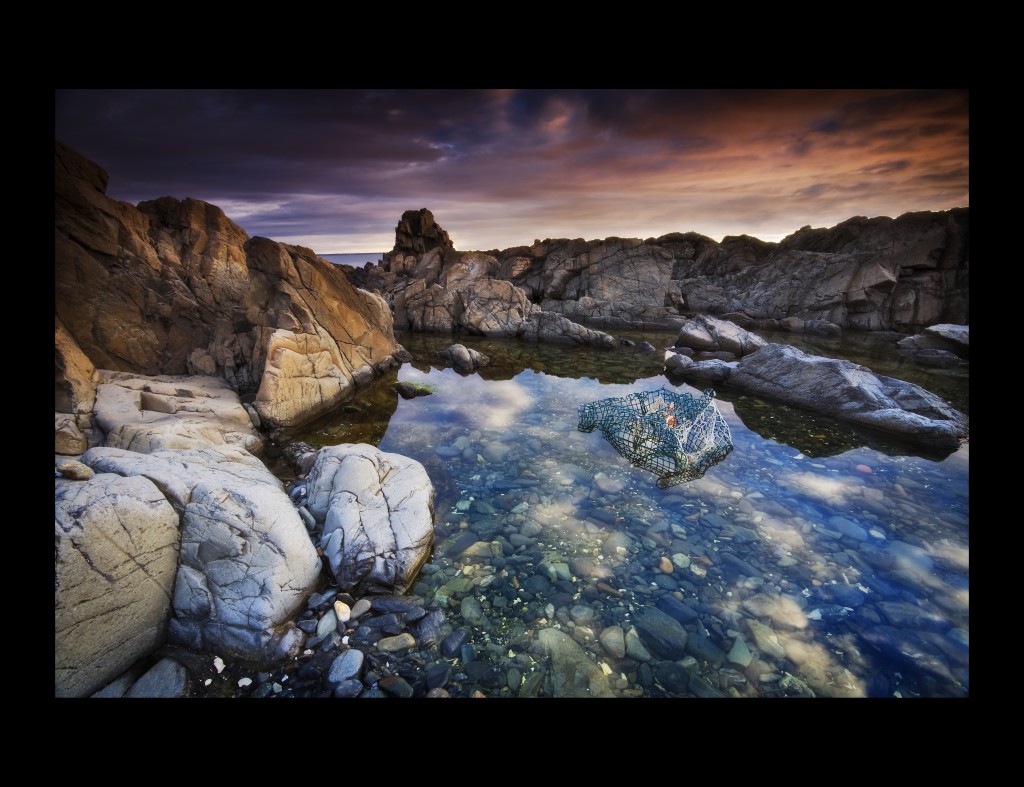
(116, 559)
(712, 334)
(174, 287)
(462, 358)
(376, 510)
(943, 345)
(841, 389)
(247, 564)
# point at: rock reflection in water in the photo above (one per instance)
(813, 562)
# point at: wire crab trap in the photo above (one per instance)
(673, 435)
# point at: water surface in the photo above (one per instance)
(816, 559)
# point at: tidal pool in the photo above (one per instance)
(815, 559)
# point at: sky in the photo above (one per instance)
(334, 170)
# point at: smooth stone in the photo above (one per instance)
(703, 649)
(347, 665)
(360, 608)
(452, 644)
(402, 641)
(348, 689)
(396, 686)
(461, 543)
(673, 677)
(321, 600)
(582, 615)
(438, 674)
(847, 528)
(76, 471)
(740, 653)
(613, 640)
(700, 686)
(608, 485)
(327, 624)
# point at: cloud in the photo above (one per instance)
(501, 167)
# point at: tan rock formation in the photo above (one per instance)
(175, 287)
(116, 559)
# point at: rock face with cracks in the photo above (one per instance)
(840, 389)
(376, 509)
(116, 542)
(175, 287)
(247, 564)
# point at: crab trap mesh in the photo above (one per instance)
(673, 435)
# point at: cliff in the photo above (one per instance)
(901, 274)
(175, 287)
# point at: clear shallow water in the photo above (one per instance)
(815, 559)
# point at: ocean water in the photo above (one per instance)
(814, 560)
(355, 260)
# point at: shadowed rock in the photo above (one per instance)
(572, 672)
(841, 389)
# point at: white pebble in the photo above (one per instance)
(219, 664)
(245, 682)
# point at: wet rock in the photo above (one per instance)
(396, 686)
(572, 672)
(168, 679)
(673, 677)
(703, 649)
(675, 608)
(346, 666)
(452, 644)
(664, 635)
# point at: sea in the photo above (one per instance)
(356, 260)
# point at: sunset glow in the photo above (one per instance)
(335, 169)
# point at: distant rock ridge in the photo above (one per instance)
(866, 274)
(431, 287)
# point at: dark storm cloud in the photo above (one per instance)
(336, 168)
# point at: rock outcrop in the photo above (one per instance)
(174, 287)
(841, 389)
(74, 394)
(941, 345)
(705, 333)
(246, 561)
(116, 558)
(867, 274)
(434, 288)
(143, 414)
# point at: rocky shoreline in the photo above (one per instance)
(185, 351)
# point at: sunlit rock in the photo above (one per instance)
(376, 509)
(115, 563)
(246, 561)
